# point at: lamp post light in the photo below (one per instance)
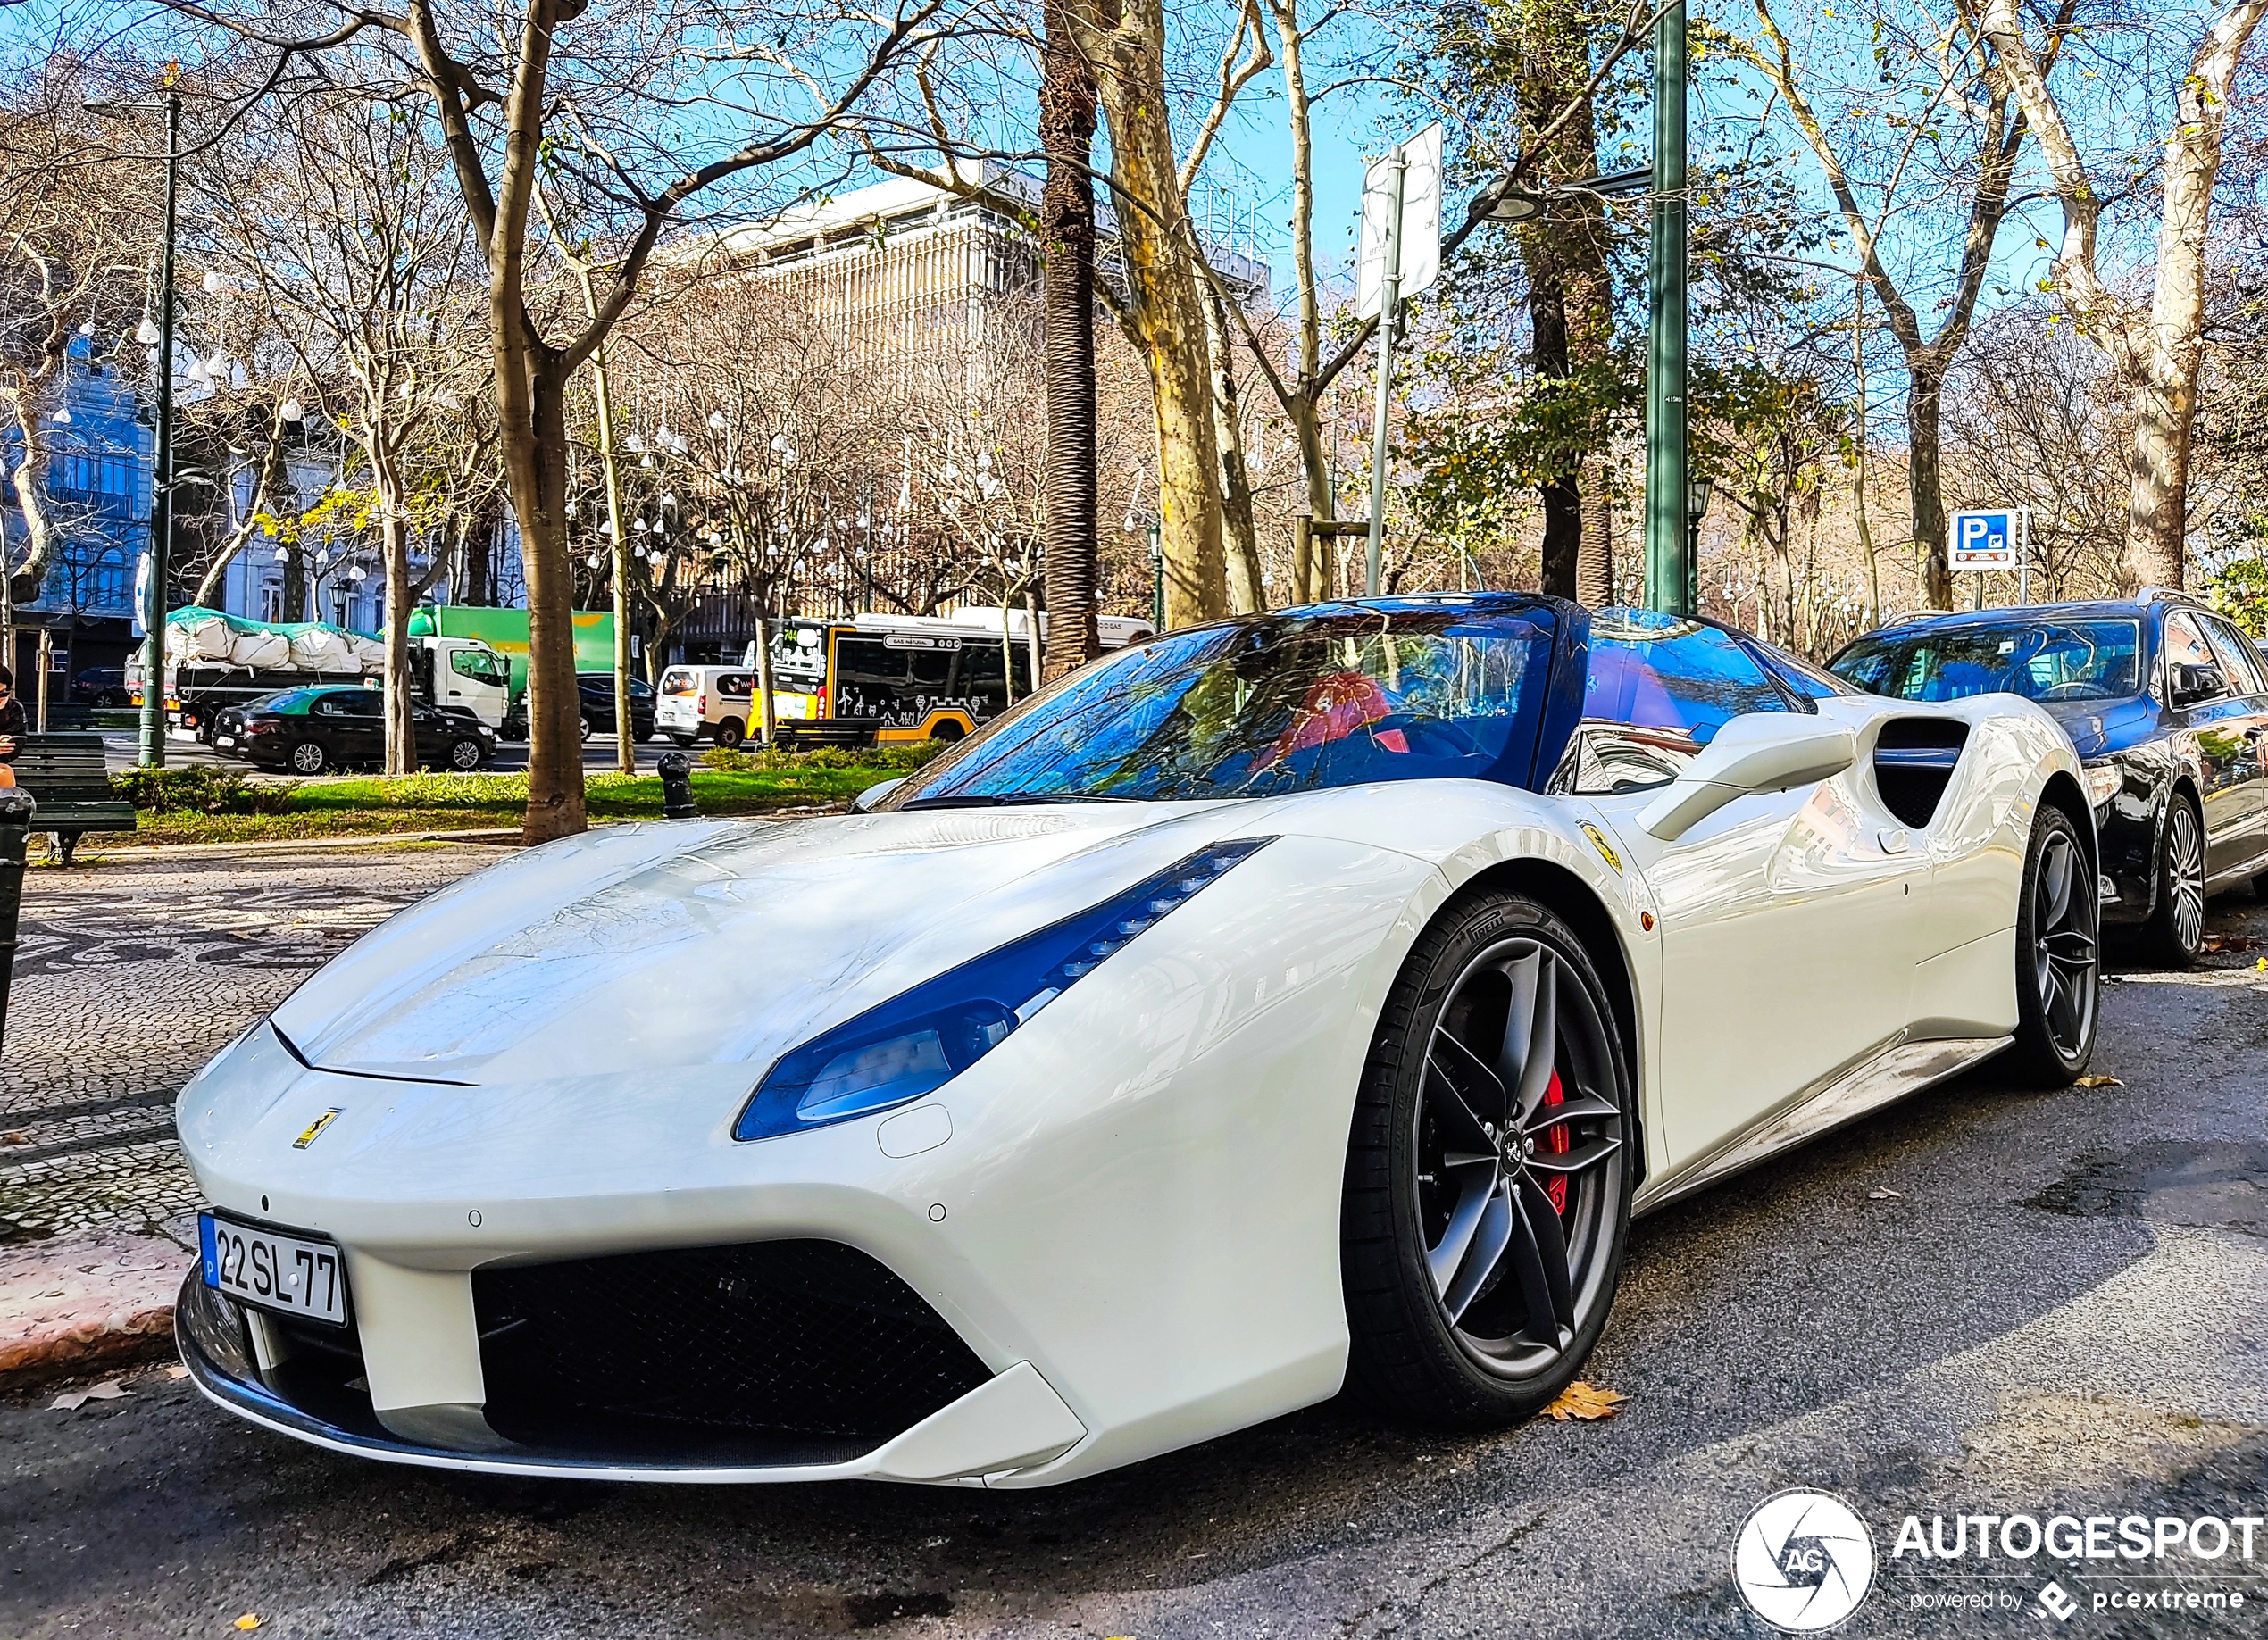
(153, 727)
(1697, 491)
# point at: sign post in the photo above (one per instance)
(1400, 256)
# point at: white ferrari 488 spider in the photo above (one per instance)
(1305, 1000)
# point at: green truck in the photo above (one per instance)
(506, 631)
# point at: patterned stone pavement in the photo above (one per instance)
(129, 976)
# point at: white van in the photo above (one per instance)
(714, 701)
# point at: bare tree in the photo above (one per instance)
(624, 105)
(2157, 350)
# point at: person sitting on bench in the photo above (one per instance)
(11, 725)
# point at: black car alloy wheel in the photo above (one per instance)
(2058, 972)
(307, 757)
(466, 755)
(2176, 930)
(1490, 1175)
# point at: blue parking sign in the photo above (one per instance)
(1984, 540)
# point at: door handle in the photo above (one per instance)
(1895, 842)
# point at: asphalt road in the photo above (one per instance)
(2060, 1309)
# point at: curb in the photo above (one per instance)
(77, 1304)
(490, 835)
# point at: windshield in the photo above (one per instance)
(1334, 696)
(2042, 660)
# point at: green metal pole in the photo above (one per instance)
(152, 737)
(1670, 571)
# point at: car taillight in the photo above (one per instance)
(822, 700)
(258, 727)
(701, 706)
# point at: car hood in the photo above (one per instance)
(2099, 727)
(640, 948)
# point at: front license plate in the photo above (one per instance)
(292, 1275)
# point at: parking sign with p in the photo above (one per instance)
(1984, 540)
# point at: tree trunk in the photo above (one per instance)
(1166, 316)
(1595, 558)
(29, 479)
(2172, 346)
(393, 538)
(1071, 564)
(1925, 480)
(531, 390)
(1240, 536)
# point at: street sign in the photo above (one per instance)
(1985, 540)
(1418, 238)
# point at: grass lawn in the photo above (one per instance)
(471, 801)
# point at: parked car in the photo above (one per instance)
(597, 689)
(1299, 1000)
(716, 702)
(2167, 704)
(100, 685)
(307, 731)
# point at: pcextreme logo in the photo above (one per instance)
(1804, 1561)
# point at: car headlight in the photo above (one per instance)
(917, 1042)
(2103, 782)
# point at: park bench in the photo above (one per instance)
(65, 775)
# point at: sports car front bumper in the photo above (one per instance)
(1124, 1220)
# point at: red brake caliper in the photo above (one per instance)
(1556, 1141)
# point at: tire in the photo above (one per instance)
(467, 755)
(2175, 932)
(2058, 957)
(1496, 1336)
(307, 757)
(948, 731)
(586, 733)
(731, 732)
(682, 741)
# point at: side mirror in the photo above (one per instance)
(875, 793)
(2193, 684)
(1759, 751)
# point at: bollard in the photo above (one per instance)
(16, 807)
(677, 786)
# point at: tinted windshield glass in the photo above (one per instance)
(1663, 671)
(2042, 660)
(1335, 696)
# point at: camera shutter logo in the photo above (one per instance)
(1804, 1561)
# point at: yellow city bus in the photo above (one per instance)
(885, 677)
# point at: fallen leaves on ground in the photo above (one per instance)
(76, 1398)
(1882, 1192)
(250, 1620)
(2227, 942)
(2100, 1082)
(1585, 1403)
(177, 1371)
(15, 1138)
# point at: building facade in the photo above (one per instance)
(98, 485)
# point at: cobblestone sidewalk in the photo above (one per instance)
(129, 977)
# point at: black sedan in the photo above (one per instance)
(309, 731)
(100, 685)
(598, 691)
(2167, 702)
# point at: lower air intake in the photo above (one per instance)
(811, 1347)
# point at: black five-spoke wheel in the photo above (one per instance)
(1488, 1179)
(2057, 955)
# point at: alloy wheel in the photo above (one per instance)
(1517, 1125)
(2063, 943)
(2185, 875)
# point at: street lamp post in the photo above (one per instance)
(1668, 567)
(153, 735)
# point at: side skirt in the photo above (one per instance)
(1900, 1068)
